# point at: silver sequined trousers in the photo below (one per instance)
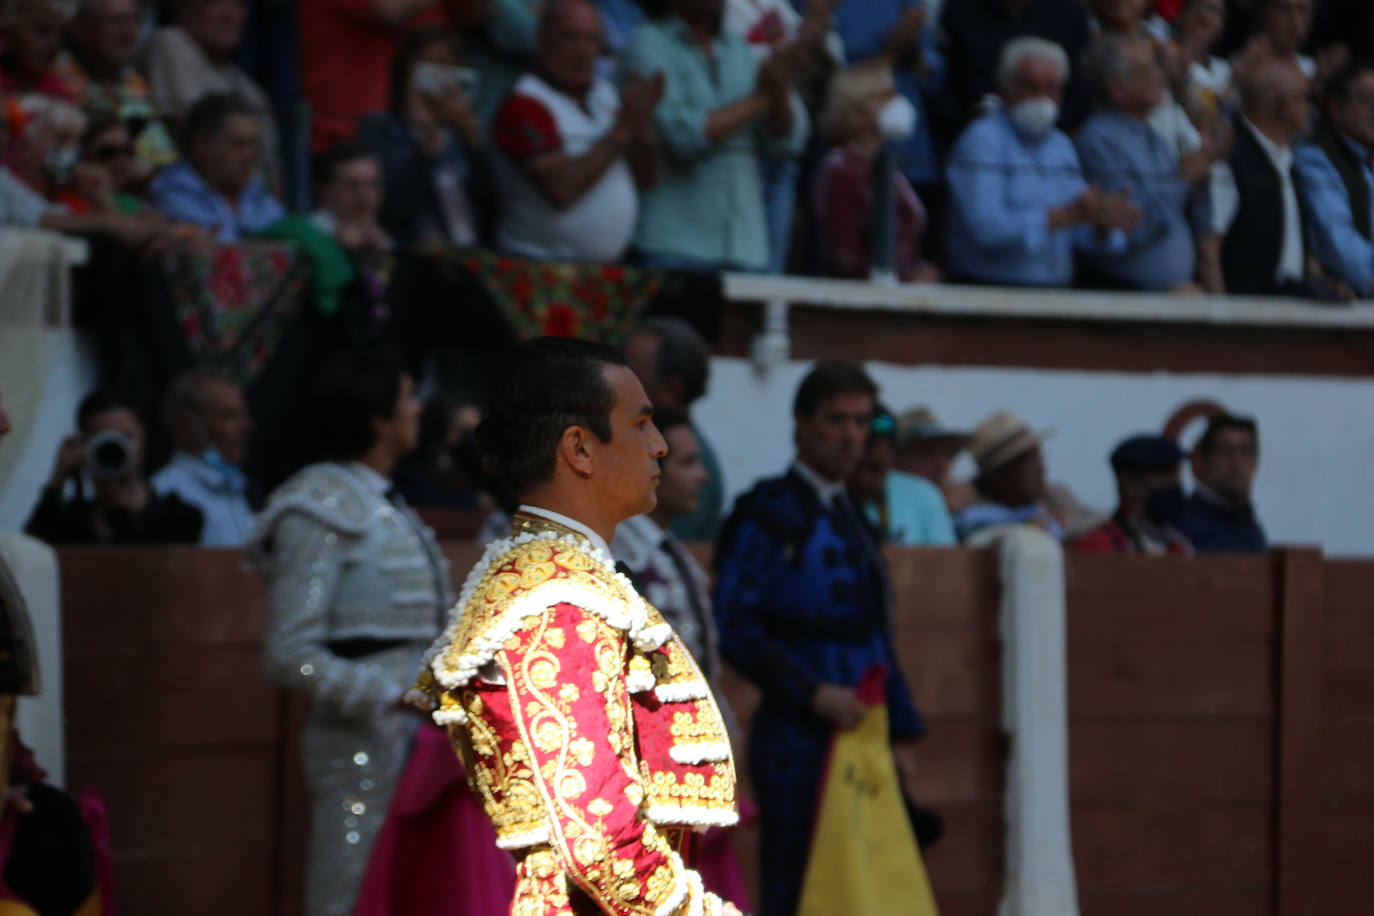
(352, 771)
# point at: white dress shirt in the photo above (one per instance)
(1226, 203)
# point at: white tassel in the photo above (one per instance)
(706, 752)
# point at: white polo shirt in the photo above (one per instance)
(537, 119)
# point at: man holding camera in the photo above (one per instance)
(97, 493)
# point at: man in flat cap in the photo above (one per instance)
(1149, 486)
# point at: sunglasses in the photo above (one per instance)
(111, 152)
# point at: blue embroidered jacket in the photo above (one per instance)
(803, 599)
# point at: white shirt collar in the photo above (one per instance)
(370, 477)
(596, 540)
(827, 490)
(1281, 156)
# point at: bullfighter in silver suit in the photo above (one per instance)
(358, 589)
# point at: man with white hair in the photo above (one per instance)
(1019, 204)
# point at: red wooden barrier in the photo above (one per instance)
(1221, 730)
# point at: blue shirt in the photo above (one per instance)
(917, 515)
(988, 514)
(1002, 186)
(219, 494)
(708, 204)
(1123, 153)
(802, 599)
(863, 27)
(1331, 230)
(180, 194)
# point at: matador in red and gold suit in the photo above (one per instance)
(585, 726)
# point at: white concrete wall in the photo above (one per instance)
(68, 375)
(1316, 479)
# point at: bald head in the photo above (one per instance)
(1274, 98)
(570, 43)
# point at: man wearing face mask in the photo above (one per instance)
(210, 425)
(1019, 205)
(1148, 472)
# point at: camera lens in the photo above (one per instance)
(109, 455)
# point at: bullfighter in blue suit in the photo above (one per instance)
(803, 606)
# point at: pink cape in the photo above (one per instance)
(436, 851)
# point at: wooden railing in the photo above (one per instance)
(1221, 729)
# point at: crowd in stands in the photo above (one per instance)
(1166, 145)
(899, 475)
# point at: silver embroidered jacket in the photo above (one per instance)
(344, 563)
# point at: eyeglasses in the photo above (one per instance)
(111, 152)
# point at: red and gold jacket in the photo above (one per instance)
(586, 728)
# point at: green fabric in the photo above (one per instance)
(703, 524)
(330, 269)
(127, 204)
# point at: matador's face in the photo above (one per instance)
(626, 467)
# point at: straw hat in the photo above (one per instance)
(1002, 438)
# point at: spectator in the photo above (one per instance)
(357, 590)
(763, 24)
(926, 448)
(1121, 151)
(895, 34)
(861, 109)
(673, 363)
(193, 58)
(1019, 205)
(210, 424)
(974, 35)
(1220, 515)
(346, 49)
(1281, 31)
(31, 36)
(1259, 245)
(350, 196)
(46, 143)
(107, 179)
(106, 458)
(1336, 169)
(1011, 478)
(573, 151)
(219, 185)
(803, 606)
(660, 566)
(21, 207)
(1196, 31)
(904, 509)
(98, 68)
(439, 183)
(1133, 19)
(443, 470)
(1148, 471)
(721, 111)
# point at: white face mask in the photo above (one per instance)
(1035, 117)
(897, 118)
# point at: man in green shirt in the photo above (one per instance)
(721, 110)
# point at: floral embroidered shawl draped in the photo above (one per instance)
(585, 726)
